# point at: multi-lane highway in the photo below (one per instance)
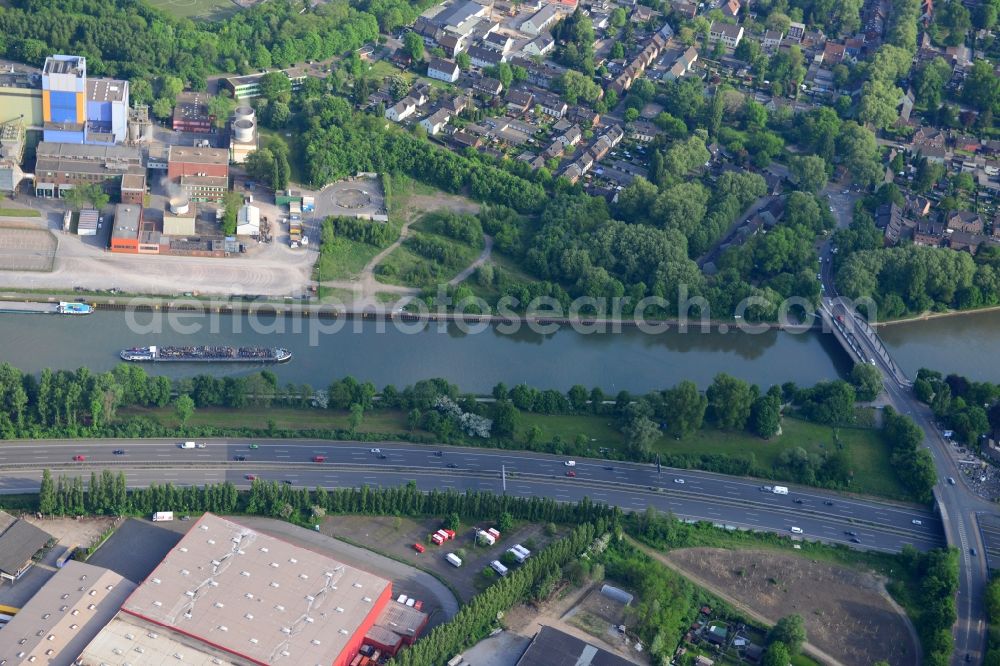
(725, 500)
(958, 504)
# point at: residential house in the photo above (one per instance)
(401, 110)
(540, 20)
(965, 241)
(571, 137)
(731, 8)
(600, 148)
(457, 104)
(498, 42)
(643, 14)
(584, 115)
(488, 86)
(643, 131)
(686, 10)
(551, 105)
(917, 205)
(435, 122)
(796, 31)
(772, 40)
(928, 233)
(453, 44)
(539, 46)
(519, 101)
(572, 173)
(464, 139)
(483, 57)
(906, 103)
(682, 65)
(727, 33)
(833, 54)
(965, 221)
(443, 70)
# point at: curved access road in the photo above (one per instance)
(734, 502)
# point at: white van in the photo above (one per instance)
(796, 530)
(570, 463)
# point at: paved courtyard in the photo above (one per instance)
(354, 196)
(26, 249)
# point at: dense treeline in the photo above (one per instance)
(355, 229)
(130, 39)
(912, 462)
(971, 409)
(933, 583)
(993, 616)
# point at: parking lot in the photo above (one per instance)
(26, 249)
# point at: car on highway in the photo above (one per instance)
(451, 466)
(319, 459)
(570, 463)
(972, 551)
(796, 530)
(375, 451)
(951, 481)
(916, 521)
(381, 456)
(828, 503)
(855, 540)
(570, 472)
(119, 452)
(850, 533)
(799, 500)
(79, 458)
(439, 453)
(681, 481)
(239, 458)
(253, 446)
(287, 482)
(251, 477)
(609, 468)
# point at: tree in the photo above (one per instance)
(867, 381)
(259, 164)
(982, 87)
(790, 631)
(730, 400)
(808, 172)
(452, 522)
(505, 523)
(463, 61)
(617, 18)
(640, 433)
(575, 86)
(684, 409)
(413, 44)
(47, 494)
(276, 87)
(231, 202)
(183, 408)
(765, 416)
(220, 107)
(879, 101)
(357, 415)
(860, 154)
(777, 655)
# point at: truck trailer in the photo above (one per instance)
(453, 559)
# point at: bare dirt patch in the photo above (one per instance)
(73, 531)
(845, 611)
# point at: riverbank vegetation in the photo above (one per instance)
(815, 436)
(970, 409)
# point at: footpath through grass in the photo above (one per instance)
(867, 452)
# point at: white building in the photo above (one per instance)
(727, 33)
(442, 70)
(401, 110)
(435, 122)
(248, 221)
(541, 20)
(540, 45)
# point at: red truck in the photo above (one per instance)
(418, 547)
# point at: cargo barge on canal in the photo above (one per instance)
(62, 307)
(207, 354)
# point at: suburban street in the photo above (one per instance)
(956, 503)
(729, 501)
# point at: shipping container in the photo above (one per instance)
(308, 204)
(163, 515)
(485, 536)
(494, 533)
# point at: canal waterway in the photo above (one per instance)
(380, 352)
(966, 344)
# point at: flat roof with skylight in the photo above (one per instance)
(258, 597)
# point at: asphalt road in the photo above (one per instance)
(720, 499)
(957, 504)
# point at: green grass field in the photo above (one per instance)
(344, 258)
(19, 212)
(204, 10)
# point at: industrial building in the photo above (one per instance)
(248, 87)
(132, 233)
(248, 221)
(12, 139)
(243, 138)
(179, 218)
(19, 541)
(107, 111)
(87, 222)
(75, 110)
(551, 646)
(203, 173)
(133, 188)
(229, 594)
(62, 166)
(63, 616)
(191, 113)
